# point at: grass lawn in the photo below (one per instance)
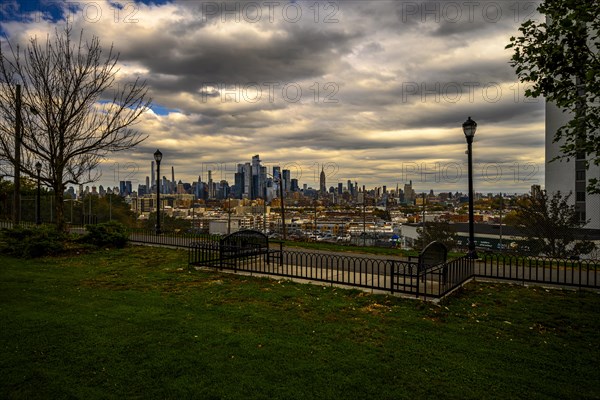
(351, 249)
(134, 323)
(393, 252)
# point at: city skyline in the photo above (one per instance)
(271, 171)
(375, 91)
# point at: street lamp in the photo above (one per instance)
(469, 128)
(157, 158)
(38, 217)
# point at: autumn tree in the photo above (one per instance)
(74, 114)
(436, 231)
(110, 207)
(559, 57)
(549, 225)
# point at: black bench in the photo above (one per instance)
(434, 254)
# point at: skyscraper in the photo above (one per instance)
(277, 181)
(294, 185)
(247, 170)
(153, 178)
(409, 194)
(322, 184)
(286, 180)
(211, 192)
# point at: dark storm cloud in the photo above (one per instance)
(397, 67)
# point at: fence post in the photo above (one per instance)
(418, 282)
(221, 254)
(281, 254)
(392, 275)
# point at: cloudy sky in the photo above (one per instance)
(371, 91)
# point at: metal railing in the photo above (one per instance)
(439, 281)
(392, 275)
(552, 271)
(171, 239)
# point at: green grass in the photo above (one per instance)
(351, 248)
(135, 323)
(394, 252)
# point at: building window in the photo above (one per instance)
(580, 196)
(580, 175)
(582, 216)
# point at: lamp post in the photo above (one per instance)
(157, 158)
(38, 217)
(469, 128)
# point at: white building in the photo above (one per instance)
(570, 176)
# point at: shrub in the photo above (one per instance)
(30, 242)
(113, 234)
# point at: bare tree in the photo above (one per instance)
(74, 113)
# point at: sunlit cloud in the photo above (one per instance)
(372, 92)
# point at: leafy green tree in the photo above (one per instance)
(549, 224)
(113, 207)
(28, 192)
(438, 231)
(96, 209)
(382, 214)
(559, 56)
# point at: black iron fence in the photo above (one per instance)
(369, 273)
(551, 271)
(172, 239)
(394, 275)
(390, 275)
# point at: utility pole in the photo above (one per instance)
(229, 215)
(315, 231)
(17, 163)
(423, 198)
(501, 209)
(282, 208)
(264, 212)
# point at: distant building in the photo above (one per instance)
(322, 184)
(286, 180)
(570, 176)
(409, 194)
